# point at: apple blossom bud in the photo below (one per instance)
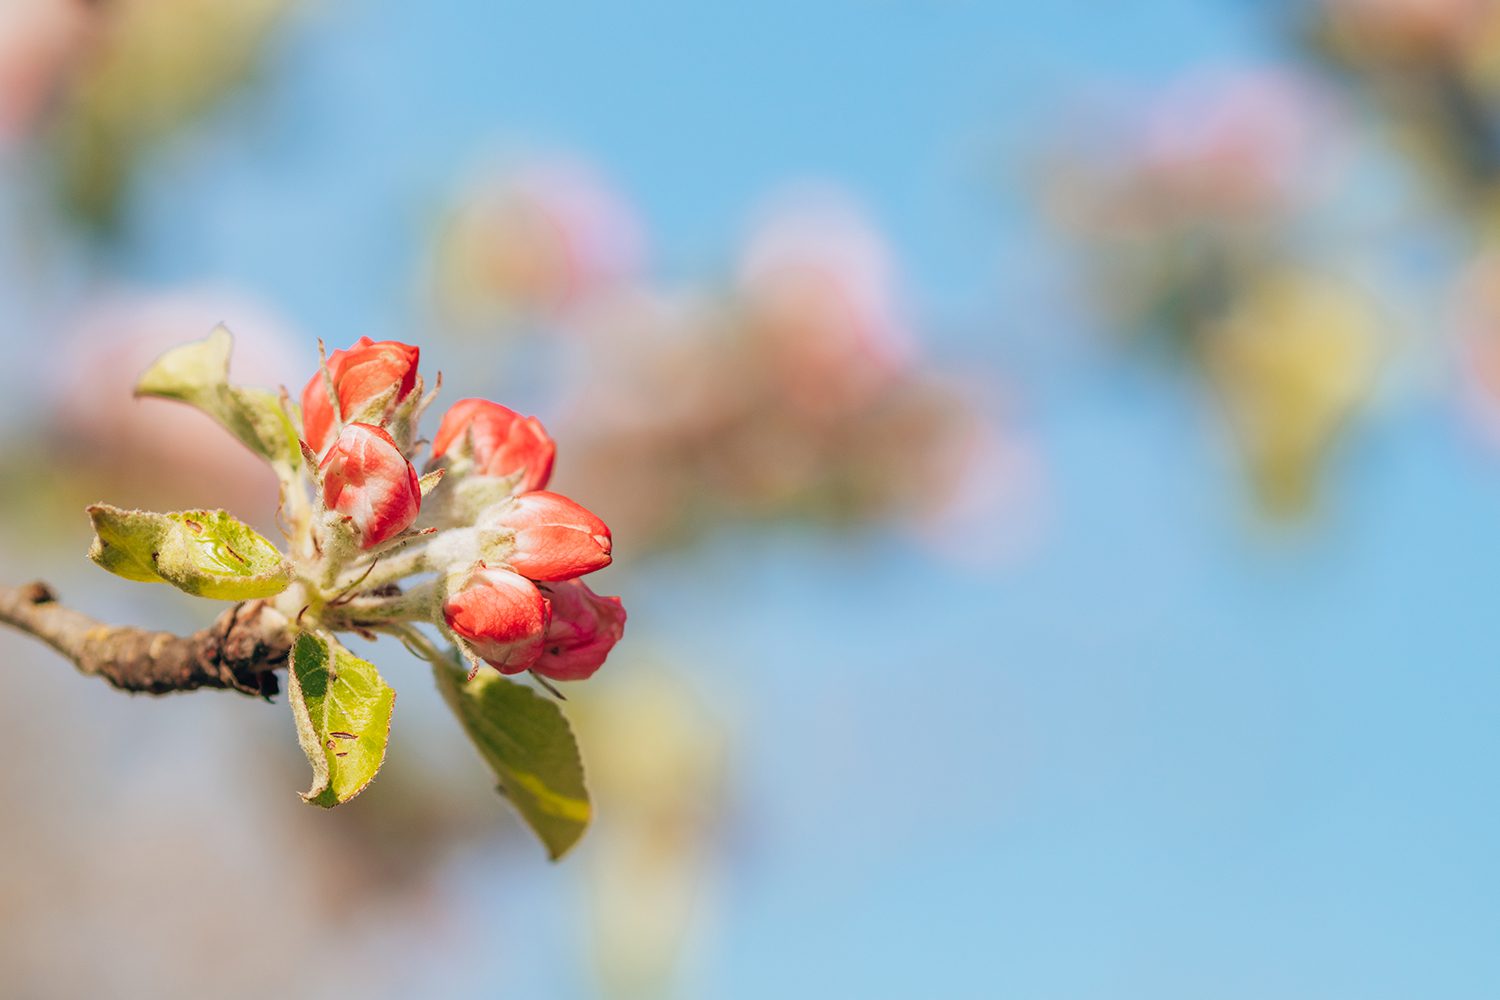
(556, 539)
(500, 441)
(584, 628)
(502, 616)
(367, 479)
(367, 373)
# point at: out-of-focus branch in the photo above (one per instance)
(240, 651)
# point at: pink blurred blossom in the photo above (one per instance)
(822, 290)
(541, 238)
(656, 360)
(1241, 141)
(1238, 147)
(39, 40)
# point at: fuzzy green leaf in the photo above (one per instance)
(207, 553)
(198, 374)
(343, 711)
(527, 742)
(126, 542)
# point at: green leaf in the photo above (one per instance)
(343, 712)
(526, 741)
(126, 542)
(208, 553)
(198, 374)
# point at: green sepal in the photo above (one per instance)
(343, 708)
(207, 553)
(525, 739)
(198, 374)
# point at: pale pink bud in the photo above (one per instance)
(556, 539)
(501, 442)
(584, 628)
(367, 479)
(502, 616)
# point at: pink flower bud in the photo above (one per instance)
(502, 616)
(366, 478)
(584, 628)
(360, 375)
(556, 539)
(501, 441)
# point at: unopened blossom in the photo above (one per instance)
(499, 441)
(367, 373)
(583, 629)
(555, 538)
(502, 616)
(366, 478)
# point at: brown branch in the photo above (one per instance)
(240, 651)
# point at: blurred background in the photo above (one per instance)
(1053, 452)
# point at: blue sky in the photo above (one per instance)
(699, 113)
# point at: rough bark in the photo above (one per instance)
(240, 651)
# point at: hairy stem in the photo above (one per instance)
(416, 604)
(389, 568)
(240, 651)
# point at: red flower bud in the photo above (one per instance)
(502, 616)
(360, 375)
(584, 628)
(556, 539)
(502, 442)
(366, 478)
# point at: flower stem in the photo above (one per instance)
(414, 605)
(387, 569)
(417, 642)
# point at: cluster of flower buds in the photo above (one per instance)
(508, 555)
(475, 547)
